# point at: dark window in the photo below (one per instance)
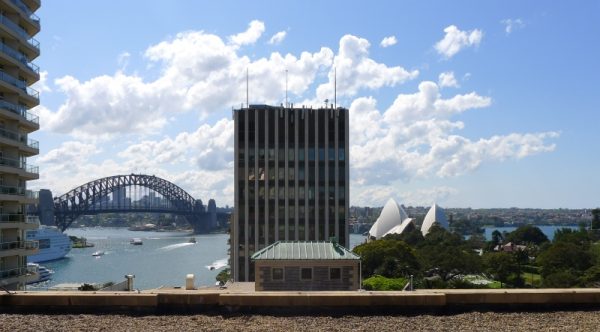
(276, 273)
(306, 273)
(335, 273)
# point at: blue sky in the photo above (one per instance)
(472, 104)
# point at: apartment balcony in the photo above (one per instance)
(20, 248)
(9, 165)
(29, 146)
(26, 119)
(9, 276)
(27, 13)
(22, 87)
(19, 195)
(21, 59)
(19, 32)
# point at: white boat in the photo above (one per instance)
(136, 241)
(43, 274)
(98, 253)
(53, 244)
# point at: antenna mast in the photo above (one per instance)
(247, 103)
(286, 88)
(334, 87)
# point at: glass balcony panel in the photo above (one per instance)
(20, 110)
(20, 31)
(23, 7)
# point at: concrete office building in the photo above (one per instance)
(291, 179)
(18, 25)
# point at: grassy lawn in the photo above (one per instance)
(532, 279)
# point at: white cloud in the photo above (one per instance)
(250, 36)
(455, 40)
(42, 85)
(123, 60)
(416, 138)
(388, 41)
(512, 24)
(447, 79)
(355, 70)
(199, 73)
(277, 38)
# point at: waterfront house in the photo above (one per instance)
(306, 266)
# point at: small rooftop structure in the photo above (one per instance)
(435, 215)
(313, 266)
(297, 250)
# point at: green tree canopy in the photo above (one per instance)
(562, 260)
(526, 234)
(389, 258)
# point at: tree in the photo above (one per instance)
(497, 237)
(596, 218)
(563, 263)
(447, 255)
(500, 265)
(389, 258)
(527, 234)
(580, 236)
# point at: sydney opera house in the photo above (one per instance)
(394, 220)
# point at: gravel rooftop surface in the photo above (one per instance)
(468, 321)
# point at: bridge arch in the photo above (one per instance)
(86, 198)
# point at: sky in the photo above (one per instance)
(467, 103)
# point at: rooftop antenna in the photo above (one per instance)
(247, 103)
(286, 88)
(334, 87)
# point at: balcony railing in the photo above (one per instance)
(19, 138)
(32, 194)
(19, 57)
(12, 217)
(20, 31)
(23, 7)
(27, 245)
(12, 273)
(10, 190)
(19, 84)
(17, 164)
(20, 110)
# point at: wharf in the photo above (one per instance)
(243, 298)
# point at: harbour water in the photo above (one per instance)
(164, 259)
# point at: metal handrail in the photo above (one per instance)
(12, 80)
(20, 31)
(33, 144)
(20, 110)
(33, 17)
(27, 245)
(32, 194)
(17, 164)
(11, 273)
(19, 57)
(10, 190)
(12, 217)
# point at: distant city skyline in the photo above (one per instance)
(467, 104)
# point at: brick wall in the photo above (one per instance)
(320, 275)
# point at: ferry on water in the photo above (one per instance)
(53, 244)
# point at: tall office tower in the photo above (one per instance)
(18, 25)
(291, 179)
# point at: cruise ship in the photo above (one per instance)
(53, 244)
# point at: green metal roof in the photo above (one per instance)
(303, 251)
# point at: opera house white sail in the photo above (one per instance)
(392, 215)
(406, 226)
(435, 215)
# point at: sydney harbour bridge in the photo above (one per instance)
(133, 193)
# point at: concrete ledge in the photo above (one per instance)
(227, 300)
(334, 299)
